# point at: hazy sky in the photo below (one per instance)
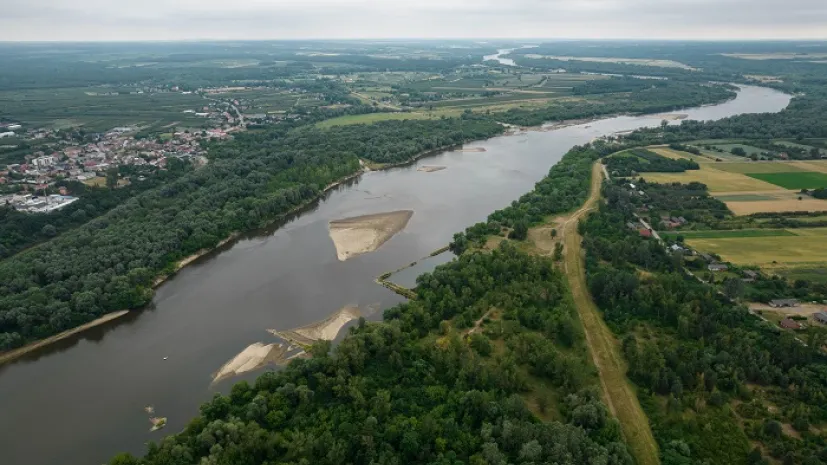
(286, 19)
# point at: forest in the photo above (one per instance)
(418, 388)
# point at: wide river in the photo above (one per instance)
(81, 401)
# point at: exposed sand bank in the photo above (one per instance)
(326, 329)
(13, 354)
(472, 149)
(255, 356)
(363, 234)
(431, 168)
(672, 116)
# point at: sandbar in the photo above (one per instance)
(326, 329)
(363, 234)
(255, 356)
(430, 168)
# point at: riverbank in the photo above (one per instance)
(31, 347)
(14, 354)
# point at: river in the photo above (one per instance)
(82, 400)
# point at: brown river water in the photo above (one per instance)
(82, 400)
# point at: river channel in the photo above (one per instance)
(82, 400)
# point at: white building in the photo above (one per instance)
(6, 134)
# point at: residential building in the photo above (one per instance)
(789, 323)
(717, 267)
(821, 317)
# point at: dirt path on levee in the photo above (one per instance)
(618, 392)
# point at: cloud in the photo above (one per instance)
(288, 19)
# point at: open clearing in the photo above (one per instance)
(363, 234)
(625, 61)
(763, 251)
(678, 155)
(787, 202)
(793, 180)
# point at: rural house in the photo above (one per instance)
(717, 267)
(780, 303)
(821, 317)
(789, 323)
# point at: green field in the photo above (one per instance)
(759, 167)
(750, 150)
(734, 233)
(744, 198)
(371, 118)
(793, 180)
(93, 109)
(804, 247)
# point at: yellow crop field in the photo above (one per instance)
(806, 246)
(715, 180)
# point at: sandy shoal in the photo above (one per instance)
(255, 356)
(430, 168)
(363, 234)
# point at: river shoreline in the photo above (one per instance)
(32, 346)
(14, 354)
(509, 130)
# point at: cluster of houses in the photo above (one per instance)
(37, 204)
(673, 222)
(83, 162)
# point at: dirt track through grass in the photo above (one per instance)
(617, 390)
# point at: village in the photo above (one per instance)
(30, 186)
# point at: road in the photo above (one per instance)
(604, 348)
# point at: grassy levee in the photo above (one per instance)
(617, 390)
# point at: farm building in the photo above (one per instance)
(789, 323)
(717, 267)
(779, 303)
(750, 274)
(821, 317)
(645, 232)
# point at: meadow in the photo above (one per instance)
(793, 180)
(728, 233)
(715, 180)
(802, 246)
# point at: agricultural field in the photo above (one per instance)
(716, 180)
(99, 109)
(625, 61)
(750, 150)
(794, 247)
(793, 180)
(728, 233)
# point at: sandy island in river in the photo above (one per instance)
(363, 234)
(326, 329)
(430, 168)
(252, 358)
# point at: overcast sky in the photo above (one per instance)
(292, 19)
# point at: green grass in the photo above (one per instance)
(719, 234)
(793, 181)
(747, 148)
(759, 167)
(744, 198)
(371, 118)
